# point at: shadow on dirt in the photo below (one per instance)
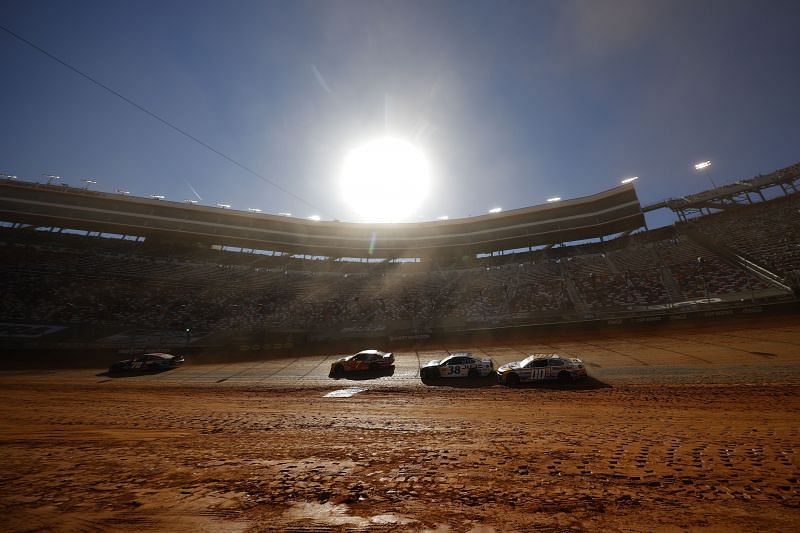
(363, 375)
(130, 373)
(587, 383)
(462, 383)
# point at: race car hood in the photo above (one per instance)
(435, 362)
(344, 359)
(508, 366)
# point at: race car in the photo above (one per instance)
(149, 362)
(541, 367)
(457, 365)
(365, 360)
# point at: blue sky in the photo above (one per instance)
(512, 102)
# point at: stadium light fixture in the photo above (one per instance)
(190, 201)
(495, 209)
(123, 192)
(284, 214)
(88, 182)
(443, 217)
(224, 206)
(7, 176)
(315, 218)
(157, 196)
(51, 178)
(554, 199)
(254, 209)
(629, 180)
(704, 165)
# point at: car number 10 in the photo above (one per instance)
(538, 373)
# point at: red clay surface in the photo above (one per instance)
(676, 429)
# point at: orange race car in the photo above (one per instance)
(365, 360)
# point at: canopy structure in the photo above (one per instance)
(613, 211)
(733, 195)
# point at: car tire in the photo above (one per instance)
(564, 377)
(512, 380)
(338, 371)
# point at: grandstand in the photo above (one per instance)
(84, 268)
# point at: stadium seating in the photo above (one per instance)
(71, 279)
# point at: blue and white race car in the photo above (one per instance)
(541, 367)
(457, 365)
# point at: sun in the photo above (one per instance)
(385, 180)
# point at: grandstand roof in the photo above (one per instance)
(605, 213)
(732, 194)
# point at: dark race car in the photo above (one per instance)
(457, 365)
(149, 362)
(367, 360)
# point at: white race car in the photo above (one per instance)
(457, 365)
(541, 367)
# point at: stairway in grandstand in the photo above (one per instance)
(735, 259)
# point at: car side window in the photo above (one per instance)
(556, 362)
(539, 363)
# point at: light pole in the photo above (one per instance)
(704, 167)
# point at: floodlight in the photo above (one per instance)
(190, 201)
(224, 206)
(51, 178)
(254, 209)
(157, 196)
(88, 182)
(443, 217)
(315, 218)
(629, 180)
(554, 199)
(495, 209)
(284, 214)
(701, 166)
(7, 176)
(123, 191)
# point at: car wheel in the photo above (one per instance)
(473, 374)
(338, 371)
(564, 377)
(512, 380)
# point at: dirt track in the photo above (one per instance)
(676, 429)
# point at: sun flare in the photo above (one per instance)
(385, 180)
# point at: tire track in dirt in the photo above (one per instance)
(281, 369)
(755, 339)
(643, 363)
(316, 367)
(709, 343)
(249, 368)
(667, 350)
